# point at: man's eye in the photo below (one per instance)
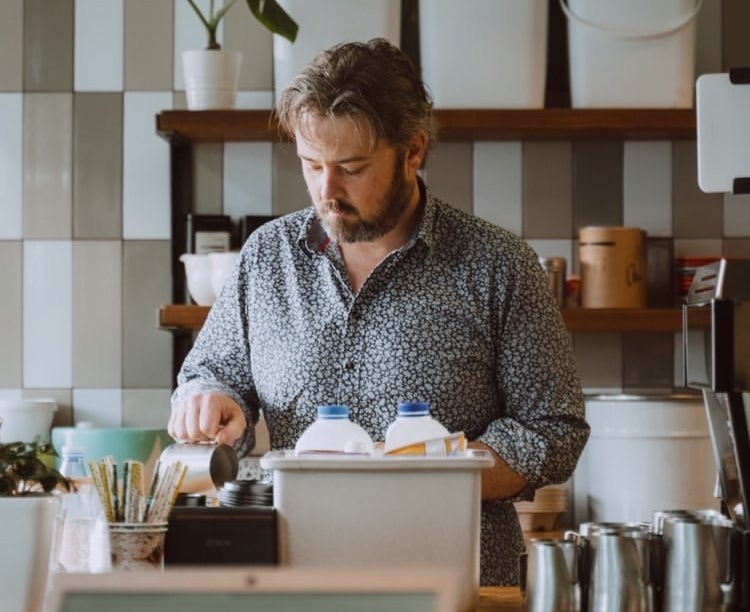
(352, 171)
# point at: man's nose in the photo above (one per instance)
(329, 185)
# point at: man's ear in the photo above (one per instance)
(416, 151)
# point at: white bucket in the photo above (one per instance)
(323, 23)
(631, 53)
(26, 420)
(484, 53)
(645, 454)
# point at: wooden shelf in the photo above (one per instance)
(182, 317)
(456, 124)
(623, 319)
(185, 317)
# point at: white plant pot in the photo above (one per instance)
(27, 525)
(343, 21)
(211, 78)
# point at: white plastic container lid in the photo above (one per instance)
(413, 425)
(334, 432)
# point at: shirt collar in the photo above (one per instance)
(313, 239)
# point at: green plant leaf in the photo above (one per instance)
(274, 17)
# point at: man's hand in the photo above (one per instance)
(208, 417)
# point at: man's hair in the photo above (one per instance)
(372, 81)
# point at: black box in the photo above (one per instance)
(221, 535)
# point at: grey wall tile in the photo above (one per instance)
(696, 214)
(148, 44)
(97, 163)
(208, 178)
(599, 358)
(11, 33)
(97, 313)
(11, 314)
(547, 190)
(147, 350)
(736, 215)
(146, 408)
(736, 47)
(647, 362)
(737, 247)
(289, 190)
(48, 45)
(449, 174)
(47, 177)
(708, 38)
(660, 273)
(597, 183)
(245, 34)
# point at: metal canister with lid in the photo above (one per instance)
(555, 268)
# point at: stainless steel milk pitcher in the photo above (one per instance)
(699, 572)
(551, 578)
(616, 566)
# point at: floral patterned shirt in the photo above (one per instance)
(461, 317)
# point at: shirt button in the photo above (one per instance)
(349, 365)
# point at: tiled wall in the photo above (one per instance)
(85, 216)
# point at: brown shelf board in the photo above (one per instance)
(217, 125)
(623, 319)
(186, 317)
(456, 124)
(189, 317)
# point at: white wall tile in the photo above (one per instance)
(254, 100)
(47, 313)
(11, 166)
(99, 33)
(248, 179)
(736, 216)
(647, 187)
(498, 183)
(146, 194)
(100, 407)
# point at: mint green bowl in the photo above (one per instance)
(122, 444)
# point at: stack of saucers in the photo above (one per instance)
(238, 493)
(543, 513)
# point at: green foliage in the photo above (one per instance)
(268, 12)
(25, 468)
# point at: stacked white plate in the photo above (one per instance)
(543, 513)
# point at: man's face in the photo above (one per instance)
(360, 192)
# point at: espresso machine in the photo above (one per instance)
(716, 337)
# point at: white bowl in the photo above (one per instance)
(221, 266)
(198, 274)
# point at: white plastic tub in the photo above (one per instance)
(365, 511)
(323, 23)
(645, 454)
(631, 53)
(484, 53)
(26, 420)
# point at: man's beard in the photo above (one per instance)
(392, 207)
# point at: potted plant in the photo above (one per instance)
(26, 469)
(28, 511)
(211, 74)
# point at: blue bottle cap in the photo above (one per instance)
(413, 409)
(333, 412)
